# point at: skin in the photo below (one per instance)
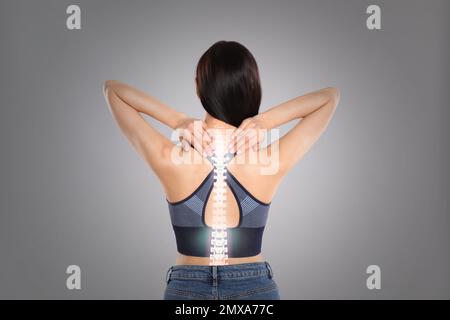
(312, 111)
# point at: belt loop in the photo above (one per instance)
(168, 274)
(270, 270)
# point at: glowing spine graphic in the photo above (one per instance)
(219, 249)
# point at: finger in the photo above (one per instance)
(241, 147)
(209, 148)
(186, 135)
(247, 140)
(262, 135)
(236, 136)
(198, 142)
(249, 131)
(261, 138)
(234, 144)
(198, 145)
(207, 142)
(232, 141)
(185, 145)
(238, 130)
(252, 141)
(205, 132)
(195, 130)
(257, 144)
(199, 138)
(249, 127)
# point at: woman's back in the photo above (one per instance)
(183, 180)
(192, 197)
(180, 175)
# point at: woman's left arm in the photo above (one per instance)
(126, 103)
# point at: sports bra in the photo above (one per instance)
(193, 236)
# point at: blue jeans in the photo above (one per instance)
(244, 281)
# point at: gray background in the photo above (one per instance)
(373, 190)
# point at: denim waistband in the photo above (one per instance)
(202, 272)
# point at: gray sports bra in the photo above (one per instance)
(193, 236)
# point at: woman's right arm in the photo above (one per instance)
(314, 110)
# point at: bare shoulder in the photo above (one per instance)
(258, 172)
(182, 171)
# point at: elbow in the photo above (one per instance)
(108, 84)
(335, 94)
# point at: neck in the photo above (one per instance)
(220, 131)
(212, 122)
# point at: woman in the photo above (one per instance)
(227, 263)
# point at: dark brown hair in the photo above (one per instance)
(228, 83)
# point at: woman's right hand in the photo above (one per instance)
(193, 132)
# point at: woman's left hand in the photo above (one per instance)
(249, 134)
